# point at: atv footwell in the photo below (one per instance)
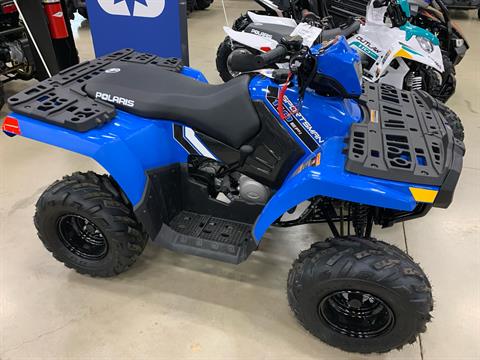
(207, 236)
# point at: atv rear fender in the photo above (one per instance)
(126, 147)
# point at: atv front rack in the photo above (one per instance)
(404, 137)
(61, 100)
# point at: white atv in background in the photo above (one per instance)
(393, 51)
(398, 53)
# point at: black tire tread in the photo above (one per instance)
(453, 121)
(337, 257)
(223, 52)
(449, 71)
(95, 193)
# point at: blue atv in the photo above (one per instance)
(206, 169)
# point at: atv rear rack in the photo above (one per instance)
(404, 137)
(61, 100)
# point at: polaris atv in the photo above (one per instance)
(206, 169)
(431, 15)
(260, 33)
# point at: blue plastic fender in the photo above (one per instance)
(330, 179)
(126, 147)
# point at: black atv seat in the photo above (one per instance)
(223, 112)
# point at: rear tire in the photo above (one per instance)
(223, 52)
(359, 295)
(86, 222)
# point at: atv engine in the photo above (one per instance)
(252, 191)
(232, 185)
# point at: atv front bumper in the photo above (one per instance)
(405, 137)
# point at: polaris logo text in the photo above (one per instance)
(114, 99)
(261, 33)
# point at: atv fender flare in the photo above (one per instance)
(329, 179)
(126, 147)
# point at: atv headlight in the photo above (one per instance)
(425, 44)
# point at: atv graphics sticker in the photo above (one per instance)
(312, 162)
(115, 99)
(295, 120)
(366, 47)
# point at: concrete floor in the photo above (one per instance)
(177, 306)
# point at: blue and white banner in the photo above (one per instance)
(154, 26)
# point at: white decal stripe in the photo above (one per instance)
(196, 143)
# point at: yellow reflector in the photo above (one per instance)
(404, 54)
(423, 195)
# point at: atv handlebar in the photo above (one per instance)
(274, 55)
(330, 34)
(244, 60)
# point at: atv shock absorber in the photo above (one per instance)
(359, 218)
(414, 82)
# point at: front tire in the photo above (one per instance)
(444, 89)
(359, 295)
(86, 222)
(453, 121)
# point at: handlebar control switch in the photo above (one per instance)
(292, 43)
(280, 76)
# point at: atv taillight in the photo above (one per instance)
(9, 8)
(265, 48)
(10, 126)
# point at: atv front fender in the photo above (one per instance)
(330, 179)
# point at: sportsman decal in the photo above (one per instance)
(296, 121)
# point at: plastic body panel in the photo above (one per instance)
(126, 147)
(331, 117)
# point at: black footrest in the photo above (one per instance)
(208, 236)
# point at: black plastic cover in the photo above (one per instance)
(404, 137)
(61, 100)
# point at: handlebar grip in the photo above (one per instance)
(245, 61)
(331, 34)
(274, 55)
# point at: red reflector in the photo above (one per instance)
(265, 48)
(9, 8)
(10, 125)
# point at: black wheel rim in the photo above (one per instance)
(82, 237)
(356, 314)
